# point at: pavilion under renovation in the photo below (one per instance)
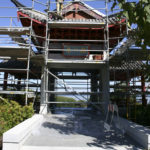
(73, 50)
(80, 66)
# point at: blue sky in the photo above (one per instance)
(7, 12)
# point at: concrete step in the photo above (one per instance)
(77, 148)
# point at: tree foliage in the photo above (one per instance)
(138, 13)
(142, 115)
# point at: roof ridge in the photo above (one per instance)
(86, 5)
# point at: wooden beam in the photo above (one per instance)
(5, 81)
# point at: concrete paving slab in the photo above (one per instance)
(80, 130)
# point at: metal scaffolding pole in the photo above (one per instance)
(28, 61)
(45, 67)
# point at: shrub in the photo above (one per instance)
(142, 114)
(11, 114)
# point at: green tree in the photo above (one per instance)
(138, 13)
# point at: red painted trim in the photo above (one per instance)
(19, 13)
(112, 25)
(17, 16)
(117, 23)
(28, 17)
(75, 45)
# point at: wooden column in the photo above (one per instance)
(94, 87)
(144, 100)
(104, 78)
(19, 84)
(5, 81)
(127, 98)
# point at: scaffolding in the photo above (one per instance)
(48, 75)
(94, 49)
(16, 50)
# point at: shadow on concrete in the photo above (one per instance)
(90, 125)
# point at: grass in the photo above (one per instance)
(68, 99)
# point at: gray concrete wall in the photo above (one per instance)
(43, 106)
(15, 137)
(138, 133)
(104, 85)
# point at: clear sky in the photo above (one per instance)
(12, 12)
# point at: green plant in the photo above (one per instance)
(68, 99)
(141, 114)
(11, 114)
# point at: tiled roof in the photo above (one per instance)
(130, 65)
(42, 17)
(87, 6)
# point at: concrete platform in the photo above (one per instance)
(14, 30)
(77, 130)
(14, 51)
